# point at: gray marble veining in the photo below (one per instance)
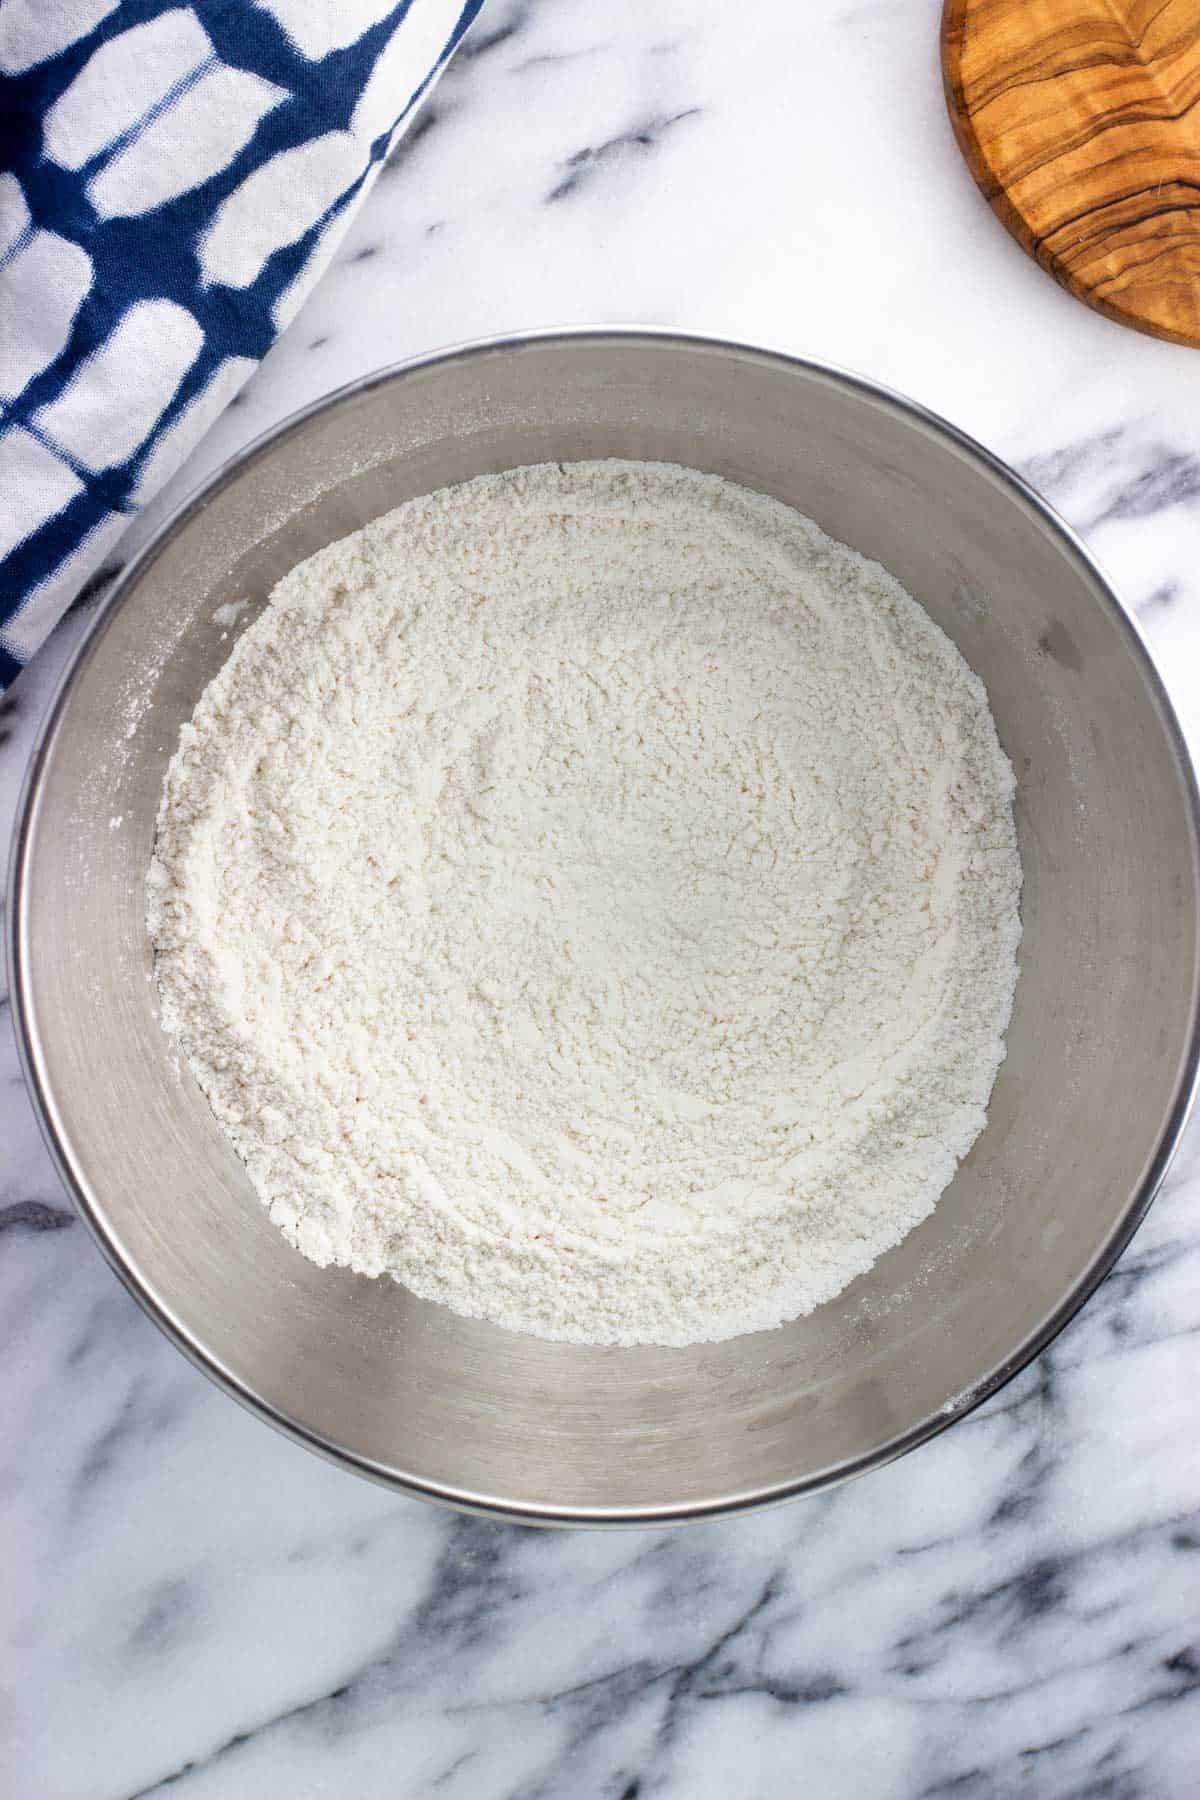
(195, 1606)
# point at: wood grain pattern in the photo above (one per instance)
(1079, 120)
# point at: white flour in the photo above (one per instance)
(590, 896)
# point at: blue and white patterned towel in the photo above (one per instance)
(173, 179)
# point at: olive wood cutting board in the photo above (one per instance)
(1080, 120)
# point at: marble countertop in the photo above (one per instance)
(195, 1605)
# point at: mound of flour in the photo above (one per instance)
(590, 895)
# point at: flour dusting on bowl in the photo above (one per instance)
(589, 895)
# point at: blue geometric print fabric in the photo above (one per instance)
(173, 179)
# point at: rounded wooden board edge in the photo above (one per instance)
(954, 14)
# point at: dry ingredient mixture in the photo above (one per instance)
(590, 895)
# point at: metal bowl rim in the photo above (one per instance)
(91, 1207)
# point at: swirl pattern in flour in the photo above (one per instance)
(590, 895)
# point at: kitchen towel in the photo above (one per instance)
(173, 180)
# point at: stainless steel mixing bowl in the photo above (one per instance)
(1102, 1052)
